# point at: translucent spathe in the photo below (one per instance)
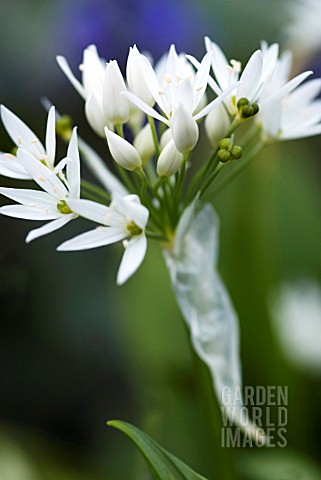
(206, 306)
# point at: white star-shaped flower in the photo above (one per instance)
(100, 88)
(124, 220)
(26, 139)
(53, 202)
(178, 94)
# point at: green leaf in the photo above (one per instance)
(163, 465)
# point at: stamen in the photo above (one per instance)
(237, 66)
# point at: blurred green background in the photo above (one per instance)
(75, 350)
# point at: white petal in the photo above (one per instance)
(133, 256)
(251, 76)
(169, 161)
(97, 166)
(28, 213)
(302, 133)
(153, 84)
(42, 175)
(219, 64)
(48, 228)
(287, 88)
(115, 105)
(144, 143)
(95, 114)
(215, 102)
(10, 167)
(130, 207)
(135, 77)
(184, 130)
(201, 80)
(99, 237)
(73, 166)
(63, 64)
(51, 135)
(211, 82)
(306, 93)
(60, 165)
(88, 209)
(21, 135)
(144, 107)
(93, 71)
(27, 196)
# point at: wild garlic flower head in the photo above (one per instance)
(153, 152)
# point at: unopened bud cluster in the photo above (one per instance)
(228, 151)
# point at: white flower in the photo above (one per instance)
(125, 219)
(298, 115)
(115, 105)
(263, 80)
(227, 73)
(122, 151)
(176, 90)
(94, 89)
(53, 203)
(135, 78)
(169, 160)
(26, 139)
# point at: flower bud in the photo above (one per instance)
(115, 105)
(224, 156)
(165, 138)
(93, 71)
(225, 143)
(236, 152)
(184, 129)
(217, 124)
(169, 160)
(135, 77)
(122, 151)
(95, 115)
(144, 143)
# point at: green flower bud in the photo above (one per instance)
(236, 152)
(224, 156)
(249, 110)
(64, 127)
(242, 102)
(224, 144)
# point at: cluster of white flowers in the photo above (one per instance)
(151, 157)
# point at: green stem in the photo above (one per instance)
(180, 178)
(156, 236)
(96, 191)
(240, 167)
(223, 463)
(210, 179)
(120, 129)
(125, 178)
(154, 134)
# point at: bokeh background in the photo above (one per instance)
(75, 350)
